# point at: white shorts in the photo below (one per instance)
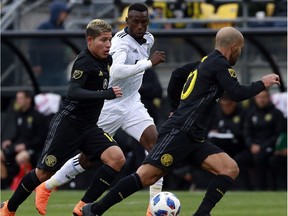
(133, 122)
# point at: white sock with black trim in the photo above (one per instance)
(67, 172)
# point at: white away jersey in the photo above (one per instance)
(130, 60)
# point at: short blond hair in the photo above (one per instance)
(96, 27)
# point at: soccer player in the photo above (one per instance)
(130, 51)
(182, 135)
(75, 124)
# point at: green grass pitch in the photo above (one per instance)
(234, 203)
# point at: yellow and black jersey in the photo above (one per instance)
(88, 87)
(202, 89)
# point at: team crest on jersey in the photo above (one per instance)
(50, 160)
(105, 84)
(166, 160)
(30, 121)
(232, 72)
(268, 117)
(236, 119)
(77, 74)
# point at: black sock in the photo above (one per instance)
(215, 191)
(123, 189)
(28, 183)
(101, 182)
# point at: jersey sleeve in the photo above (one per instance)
(76, 90)
(227, 78)
(119, 69)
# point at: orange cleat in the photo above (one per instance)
(148, 212)
(77, 211)
(42, 197)
(4, 211)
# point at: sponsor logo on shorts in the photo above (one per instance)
(50, 160)
(166, 160)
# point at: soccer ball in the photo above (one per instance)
(165, 204)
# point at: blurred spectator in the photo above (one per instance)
(263, 125)
(23, 138)
(157, 11)
(280, 102)
(226, 128)
(49, 57)
(278, 162)
(179, 10)
(48, 104)
(257, 9)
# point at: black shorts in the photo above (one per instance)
(174, 146)
(64, 139)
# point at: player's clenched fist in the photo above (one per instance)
(117, 91)
(157, 57)
(270, 80)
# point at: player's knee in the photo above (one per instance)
(231, 169)
(149, 174)
(117, 162)
(43, 175)
(146, 179)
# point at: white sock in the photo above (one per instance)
(67, 172)
(156, 188)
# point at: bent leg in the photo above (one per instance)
(28, 183)
(65, 174)
(113, 160)
(221, 164)
(226, 171)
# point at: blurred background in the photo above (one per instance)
(41, 38)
